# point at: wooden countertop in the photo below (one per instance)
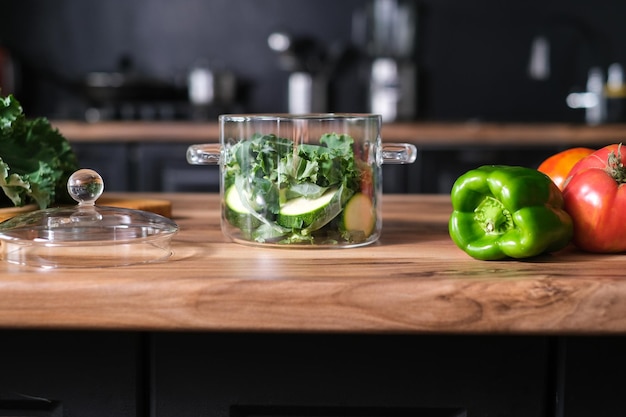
(419, 133)
(415, 280)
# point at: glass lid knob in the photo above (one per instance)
(85, 186)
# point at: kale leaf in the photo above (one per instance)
(35, 159)
(275, 168)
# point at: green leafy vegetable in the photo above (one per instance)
(35, 159)
(271, 174)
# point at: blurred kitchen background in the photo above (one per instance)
(428, 60)
(460, 60)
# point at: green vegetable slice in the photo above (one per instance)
(301, 212)
(234, 202)
(359, 216)
(236, 213)
(252, 223)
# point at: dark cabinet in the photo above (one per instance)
(594, 376)
(111, 160)
(70, 374)
(162, 166)
(163, 374)
(274, 375)
(438, 167)
(146, 167)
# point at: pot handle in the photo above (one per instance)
(391, 153)
(398, 153)
(204, 154)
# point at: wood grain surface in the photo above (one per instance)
(420, 133)
(155, 205)
(414, 280)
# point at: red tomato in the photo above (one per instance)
(558, 166)
(596, 200)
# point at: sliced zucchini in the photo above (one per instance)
(236, 213)
(359, 215)
(301, 212)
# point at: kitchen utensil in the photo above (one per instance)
(86, 235)
(310, 180)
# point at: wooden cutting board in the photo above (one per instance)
(8, 212)
(158, 206)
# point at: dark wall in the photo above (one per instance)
(476, 55)
(472, 56)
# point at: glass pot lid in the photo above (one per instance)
(86, 235)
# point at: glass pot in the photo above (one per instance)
(301, 180)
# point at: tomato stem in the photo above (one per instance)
(615, 167)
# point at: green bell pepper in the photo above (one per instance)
(502, 211)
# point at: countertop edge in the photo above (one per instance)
(419, 133)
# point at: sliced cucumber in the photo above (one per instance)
(233, 201)
(359, 215)
(236, 213)
(301, 212)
